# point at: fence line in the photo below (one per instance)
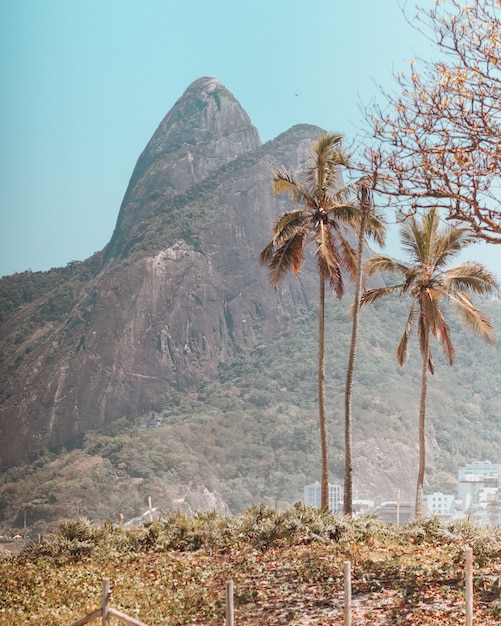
(105, 612)
(88, 618)
(468, 589)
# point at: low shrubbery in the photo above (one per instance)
(287, 567)
(261, 527)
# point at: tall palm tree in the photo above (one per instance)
(375, 229)
(428, 282)
(322, 217)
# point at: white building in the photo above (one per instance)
(442, 504)
(479, 491)
(312, 496)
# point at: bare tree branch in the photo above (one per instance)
(438, 143)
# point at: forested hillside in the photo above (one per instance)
(253, 434)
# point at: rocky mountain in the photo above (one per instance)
(167, 362)
(204, 131)
(178, 289)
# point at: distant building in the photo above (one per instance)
(479, 492)
(312, 496)
(362, 506)
(395, 512)
(440, 504)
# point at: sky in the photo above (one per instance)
(85, 83)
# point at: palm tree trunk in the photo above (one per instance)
(324, 484)
(348, 392)
(422, 432)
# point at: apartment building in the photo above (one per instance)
(312, 496)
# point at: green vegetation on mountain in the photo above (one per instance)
(252, 435)
(55, 287)
(34, 301)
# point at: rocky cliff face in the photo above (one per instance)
(180, 289)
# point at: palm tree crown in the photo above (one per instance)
(428, 281)
(323, 214)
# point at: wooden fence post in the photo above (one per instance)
(105, 618)
(469, 585)
(347, 593)
(229, 603)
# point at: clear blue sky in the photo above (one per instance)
(85, 83)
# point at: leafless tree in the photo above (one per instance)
(438, 142)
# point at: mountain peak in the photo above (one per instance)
(206, 109)
(204, 130)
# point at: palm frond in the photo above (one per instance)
(419, 238)
(428, 299)
(348, 256)
(411, 278)
(326, 145)
(471, 277)
(328, 259)
(335, 278)
(285, 182)
(324, 172)
(375, 229)
(267, 253)
(345, 214)
(288, 225)
(441, 331)
(447, 345)
(384, 263)
(430, 236)
(337, 157)
(410, 241)
(373, 295)
(423, 331)
(283, 176)
(473, 318)
(451, 242)
(325, 246)
(288, 256)
(402, 350)
(344, 195)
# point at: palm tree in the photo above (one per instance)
(428, 282)
(322, 217)
(376, 230)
